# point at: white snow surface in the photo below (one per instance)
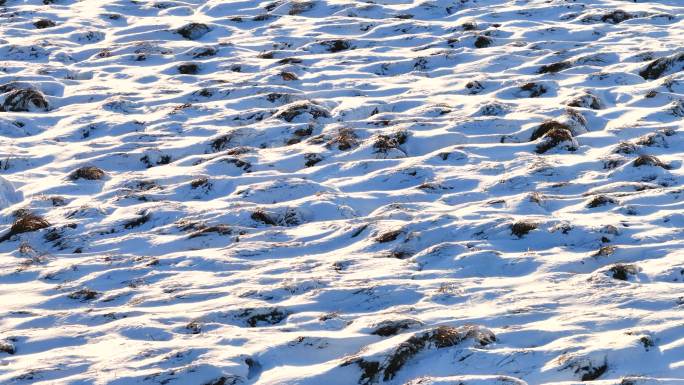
(340, 192)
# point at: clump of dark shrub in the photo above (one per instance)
(605, 251)
(474, 87)
(388, 236)
(291, 111)
(533, 90)
(553, 138)
(23, 100)
(262, 216)
(649, 160)
(439, 338)
(591, 373)
(44, 23)
(6, 346)
(88, 173)
(207, 52)
(600, 200)
(288, 76)
(483, 41)
(622, 272)
(218, 229)
(625, 148)
(384, 143)
(546, 127)
(336, 45)
(194, 327)
(193, 31)
(225, 380)
(616, 17)
(312, 159)
(25, 223)
(200, 182)
(263, 316)
(140, 220)
(522, 228)
(84, 294)
(188, 69)
(554, 67)
(289, 60)
(586, 100)
(299, 7)
(345, 139)
(663, 66)
(393, 327)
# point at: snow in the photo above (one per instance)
(341, 192)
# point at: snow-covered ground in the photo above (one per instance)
(340, 192)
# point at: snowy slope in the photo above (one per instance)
(340, 192)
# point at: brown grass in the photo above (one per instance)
(522, 228)
(27, 222)
(88, 172)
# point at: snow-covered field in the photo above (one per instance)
(341, 192)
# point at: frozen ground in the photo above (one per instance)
(341, 192)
